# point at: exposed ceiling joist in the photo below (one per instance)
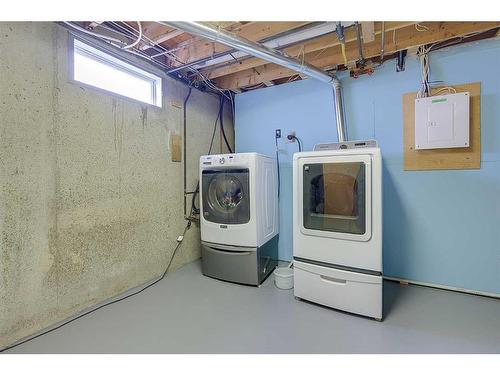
(164, 37)
(395, 40)
(316, 44)
(253, 31)
(309, 31)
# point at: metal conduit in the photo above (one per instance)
(271, 55)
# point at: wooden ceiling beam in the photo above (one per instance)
(229, 26)
(254, 31)
(161, 34)
(404, 38)
(313, 45)
(164, 37)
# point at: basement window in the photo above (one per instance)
(99, 69)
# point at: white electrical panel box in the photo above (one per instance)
(442, 121)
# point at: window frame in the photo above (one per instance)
(116, 61)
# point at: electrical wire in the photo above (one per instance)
(108, 38)
(139, 37)
(222, 125)
(171, 55)
(210, 84)
(188, 225)
(277, 164)
(340, 35)
(164, 51)
(342, 48)
(447, 88)
(382, 43)
(100, 36)
(299, 143)
(134, 52)
(423, 55)
(194, 209)
(420, 27)
(425, 89)
(215, 128)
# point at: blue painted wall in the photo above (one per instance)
(440, 227)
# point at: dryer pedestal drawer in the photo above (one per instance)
(354, 292)
(237, 264)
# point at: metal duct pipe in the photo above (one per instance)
(281, 40)
(271, 55)
(339, 112)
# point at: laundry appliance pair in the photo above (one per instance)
(337, 223)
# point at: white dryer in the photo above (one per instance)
(239, 216)
(337, 216)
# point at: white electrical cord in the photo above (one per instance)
(420, 27)
(447, 88)
(108, 38)
(423, 55)
(138, 38)
(425, 89)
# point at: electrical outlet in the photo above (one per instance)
(290, 137)
(277, 133)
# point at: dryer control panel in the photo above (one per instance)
(349, 145)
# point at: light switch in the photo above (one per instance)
(442, 121)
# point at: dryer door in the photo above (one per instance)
(335, 199)
(226, 196)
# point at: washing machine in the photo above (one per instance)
(239, 217)
(337, 218)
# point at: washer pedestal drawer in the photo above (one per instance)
(243, 265)
(354, 292)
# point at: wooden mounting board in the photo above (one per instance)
(176, 147)
(445, 158)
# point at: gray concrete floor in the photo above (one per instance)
(190, 313)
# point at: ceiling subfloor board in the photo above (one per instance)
(317, 44)
(253, 31)
(399, 39)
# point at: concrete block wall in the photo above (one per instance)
(90, 201)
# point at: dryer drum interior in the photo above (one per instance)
(334, 197)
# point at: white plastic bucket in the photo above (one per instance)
(283, 277)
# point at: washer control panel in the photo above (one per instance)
(219, 159)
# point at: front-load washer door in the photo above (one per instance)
(335, 197)
(226, 196)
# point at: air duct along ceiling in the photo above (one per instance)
(273, 56)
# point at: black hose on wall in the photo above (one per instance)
(184, 149)
(221, 109)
